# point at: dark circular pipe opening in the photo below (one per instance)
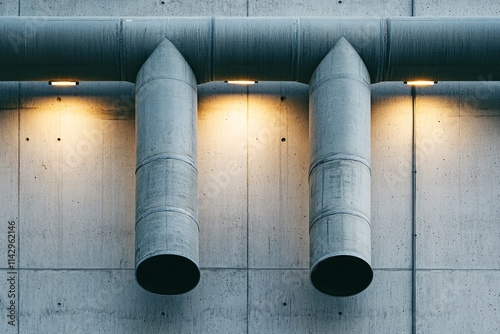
(167, 274)
(342, 275)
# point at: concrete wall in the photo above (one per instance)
(67, 183)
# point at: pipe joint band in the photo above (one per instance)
(165, 156)
(329, 213)
(336, 157)
(168, 208)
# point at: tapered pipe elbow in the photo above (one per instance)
(339, 173)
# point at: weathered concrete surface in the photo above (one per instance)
(129, 8)
(391, 175)
(277, 176)
(9, 223)
(111, 302)
(458, 178)
(454, 8)
(9, 8)
(9, 301)
(9, 130)
(76, 214)
(283, 301)
(448, 301)
(458, 301)
(222, 175)
(329, 8)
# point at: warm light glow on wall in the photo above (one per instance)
(63, 83)
(420, 83)
(241, 82)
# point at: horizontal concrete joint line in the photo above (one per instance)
(256, 268)
(337, 157)
(168, 208)
(73, 269)
(329, 213)
(167, 156)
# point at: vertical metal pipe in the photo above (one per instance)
(166, 175)
(339, 174)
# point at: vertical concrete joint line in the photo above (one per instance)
(166, 254)
(339, 173)
(413, 217)
(248, 212)
(18, 201)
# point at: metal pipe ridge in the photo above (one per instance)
(166, 156)
(328, 213)
(218, 48)
(336, 157)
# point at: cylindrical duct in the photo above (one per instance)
(339, 174)
(166, 256)
(280, 49)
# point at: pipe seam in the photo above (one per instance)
(167, 156)
(329, 213)
(296, 55)
(317, 85)
(121, 49)
(336, 157)
(145, 82)
(167, 208)
(386, 56)
(211, 43)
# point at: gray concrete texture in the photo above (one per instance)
(76, 219)
(130, 8)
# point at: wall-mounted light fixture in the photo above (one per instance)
(63, 83)
(420, 83)
(241, 82)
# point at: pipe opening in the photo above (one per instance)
(341, 275)
(168, 274)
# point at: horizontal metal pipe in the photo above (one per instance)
(284, 49)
